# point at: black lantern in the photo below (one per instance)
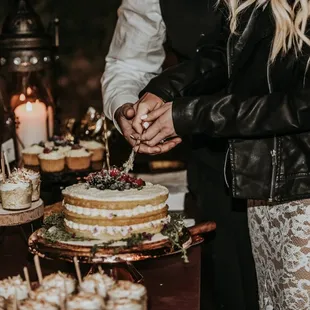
(26, 59)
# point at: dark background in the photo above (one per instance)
(86, 29)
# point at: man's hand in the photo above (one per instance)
(162, 128)
(146, 104)
(124, 116)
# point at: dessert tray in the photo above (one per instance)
(91, 251)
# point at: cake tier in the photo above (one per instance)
(84, 196)
(108, 233)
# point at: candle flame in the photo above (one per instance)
(29, 106)
(29, 91)
(22, 97)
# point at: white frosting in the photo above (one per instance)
(59, 280)
(114, 213)
(124, 304)
(14, 286)
(53, 295)
(49, 144)
(64, 149)
(34, 149)
(37, 305)
(85, 301)
(112, 230)
(54, 155)
(28, 173)
(127, 289)
(9, 186)
(91, 145)
(78, 153)
(97, 283)
(83, 191)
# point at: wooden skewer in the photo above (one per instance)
(100, 269)
(38, 268)
(7, 163)
(77, 269)
(106, 142)
(3, 167)
(15, 305)
(26, 274)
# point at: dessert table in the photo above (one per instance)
(171, 284)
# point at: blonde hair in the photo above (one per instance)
(290, 22)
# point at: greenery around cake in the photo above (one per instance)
(114, 179)
(54, 231)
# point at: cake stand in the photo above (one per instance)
(90, 252)
(20, 217)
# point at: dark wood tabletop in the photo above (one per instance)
(171, 283)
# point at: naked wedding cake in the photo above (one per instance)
(112, 205)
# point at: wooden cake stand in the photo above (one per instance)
(15, 218)
(20, 217)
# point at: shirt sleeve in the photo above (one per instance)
(136, 53)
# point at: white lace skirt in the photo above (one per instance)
(280, 237)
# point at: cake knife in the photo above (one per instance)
(128, 165)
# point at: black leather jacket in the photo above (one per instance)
(263, 111)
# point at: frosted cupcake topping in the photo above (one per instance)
(127, 289)
(60, 280)
(26, 173)
(34, 149)
(91, 145)
(54, 295)
(14, 286)
(52, 155)
(15, 181)
(85, 301)
(97, 283)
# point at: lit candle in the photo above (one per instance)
(31, 122)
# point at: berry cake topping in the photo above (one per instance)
(48, 150)
(114, 179)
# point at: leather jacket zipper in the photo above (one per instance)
(273, 153)
(274, 167)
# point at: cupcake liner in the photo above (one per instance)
(52, 165)
(97, 154)
(78, 163)
(17, 199)
(31, 159)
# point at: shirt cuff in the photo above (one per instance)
(118, 102)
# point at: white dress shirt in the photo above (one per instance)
(136, 53)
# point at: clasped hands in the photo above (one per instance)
(147, 125)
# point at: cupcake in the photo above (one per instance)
(30, 155)
(16, 193)
(78, 158)
(126, 289)
(95, 147)
(14, 286)
(83, 301)
(97, 283)
(31, 304)
(51, 160)
(59, 280)
(64, 149)
(34, 177)
(124, 304)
